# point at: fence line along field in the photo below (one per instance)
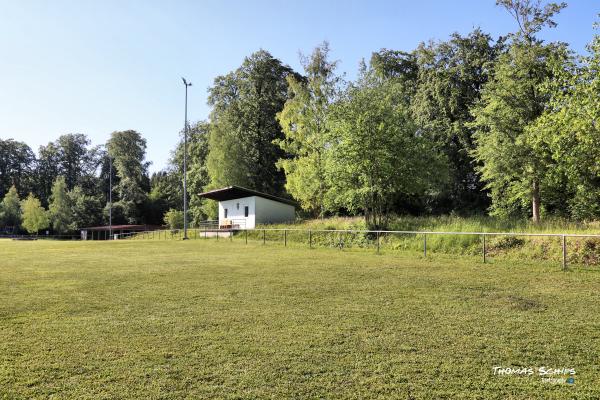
(208, 319)
(581, 248)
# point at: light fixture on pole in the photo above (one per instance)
(185, 130)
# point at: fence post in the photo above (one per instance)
(564, 252)
(246, 231)
(285, 237)
(425, 245)
(264, 236)
(231, 235)
(310, 239)
(218, 231)
(377, 242)
(484, 249)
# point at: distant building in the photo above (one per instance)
(245, 208)
(103, 232)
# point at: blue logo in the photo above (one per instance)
(571, 380)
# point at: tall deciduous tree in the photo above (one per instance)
(449, 81)
(511, 103)
(17, 162)
(10, 209)
(377, 153)
(165, 193)
(128, 151)
(47, 170)
(76, 160)
(60, 211)
(72, 157)
(569, 131)
(35, 217)
(244, 104)
(400, 65)
(86, 210)
(197, 171)
(304, 123)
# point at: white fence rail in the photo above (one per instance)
(376, 235)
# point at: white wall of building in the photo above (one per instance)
(236, 209)
(270, 211)
(260, 211)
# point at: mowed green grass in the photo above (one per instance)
(207, 319)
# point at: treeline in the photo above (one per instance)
(66, 186)
(470, 125)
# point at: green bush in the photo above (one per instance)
(174, 219)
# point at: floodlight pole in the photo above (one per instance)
(109, 196)
(185, 131)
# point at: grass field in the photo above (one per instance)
(207, 319)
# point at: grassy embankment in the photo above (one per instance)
(201, 319)
(583, 251)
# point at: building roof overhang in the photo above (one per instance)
(238, 192)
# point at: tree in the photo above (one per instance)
(72, 157)
(511, 103)
(86, 210)
(568, 130)
(174, 219)
(61, 216)
(197, 173)
(304, 123)
(17, 162)
(10, 209)
(165, 193)
(377, 153)
(128, 151)
(47, 170)
(227, 162)
(108, 172)
(449, 81)
(530, 17)
(35, 217)
(396, 64)
(76, 160)
(243, 125)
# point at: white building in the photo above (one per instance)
(245, 208)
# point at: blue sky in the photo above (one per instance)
(98, 66)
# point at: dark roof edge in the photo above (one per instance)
(249, 192)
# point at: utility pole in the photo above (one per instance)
(185, 132)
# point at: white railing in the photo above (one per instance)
(375, 235)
